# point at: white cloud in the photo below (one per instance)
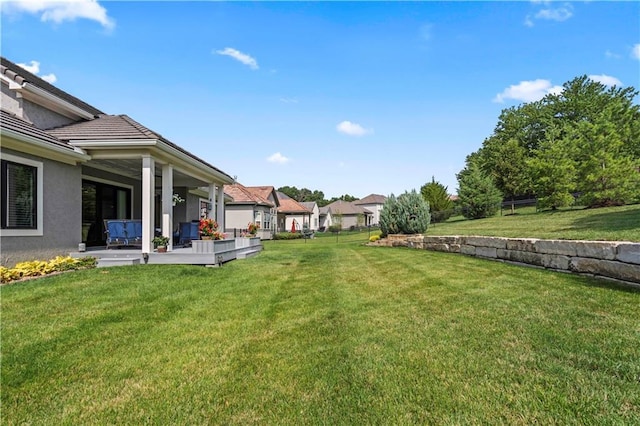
(60, 11)
(352, 129)
(289, 100)
(612, 55)
(239, 56)
(278, 158)
(559, 14)
(528, 91)
(426, 31)
(550, 12)
(635, 51)
(528, 22)
(34, 68)
(49, 78)
(607, 80)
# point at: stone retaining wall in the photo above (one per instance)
(611, 259)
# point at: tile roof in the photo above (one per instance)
(372, 199)
(346, 208)
(246, 195)
(289, 205)
(110, 127)
(264, 191)
(308, 205)
(20, 75)
(18, 125)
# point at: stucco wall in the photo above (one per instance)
(10, 102)
(43, 118)
(238, 216)
(62, 219)
(611, 259)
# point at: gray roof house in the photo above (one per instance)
(67, 167)
(346, 214)
(373, 203)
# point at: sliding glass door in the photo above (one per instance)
(102, 201)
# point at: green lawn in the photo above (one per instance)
(608, 224)
(321, 332)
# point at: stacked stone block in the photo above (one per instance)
(611, 259)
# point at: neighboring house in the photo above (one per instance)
(348, 215)
(325, 218)
(67, 166)
(373, 203)
(314, 221)
(292, 215)
(251, 204)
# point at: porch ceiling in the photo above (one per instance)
(132, 168)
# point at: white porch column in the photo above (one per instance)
(220, 208)
(148, 204)
(167, 204)
(211, 213)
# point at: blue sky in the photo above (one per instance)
(346, 98)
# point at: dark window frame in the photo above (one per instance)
(6, 216)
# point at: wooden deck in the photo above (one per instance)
(242, 249)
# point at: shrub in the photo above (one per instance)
(407, 214)
(478, 195)
(374, 238)
(335, 228)
(37, 268)
(440, 204)
(287, 236)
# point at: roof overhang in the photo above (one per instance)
(162, 153)
(34, 146)
(43, 98)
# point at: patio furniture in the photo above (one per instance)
(188, 231)
(123, 232)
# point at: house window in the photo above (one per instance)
(21, 196)
(267, 221)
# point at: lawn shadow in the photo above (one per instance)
(623, 220)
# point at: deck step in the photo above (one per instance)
(248, 253)
(105, 262)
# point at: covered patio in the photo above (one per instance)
(140, 171)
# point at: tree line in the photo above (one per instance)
(581, 144)
(307, 195)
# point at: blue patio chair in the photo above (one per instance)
(188, 231)
(133, 228)
(116, 233)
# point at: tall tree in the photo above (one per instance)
(477, 194)
(437, 195)
(290, 191)
(553, 171)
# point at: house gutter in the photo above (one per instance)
(76, 154)
(37, 92)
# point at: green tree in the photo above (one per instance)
(478, 196)
(290, 191)
(388, 214)
(437, 195)
(407, 214)
(587, 119)
(606, 176)
(553, 171)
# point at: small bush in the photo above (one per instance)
(407, 214)
(287, 236)
(335, 228)
(36, 268)
(374, 238)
